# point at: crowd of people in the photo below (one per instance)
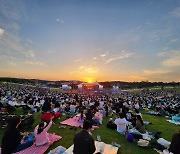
(125, 107)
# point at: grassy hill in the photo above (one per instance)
(108, 135)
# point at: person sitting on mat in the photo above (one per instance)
(175, 143)
(41, 134)
(11, 141)
(82, 117)
(121, 123)
(83, 141)
(140, 124)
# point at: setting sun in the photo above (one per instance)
(89, 80)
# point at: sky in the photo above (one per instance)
(90, 40)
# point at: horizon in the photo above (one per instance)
(89, 82)
(128, 41)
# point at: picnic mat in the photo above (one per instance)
(74, 121)
(40, 149)
(100, 147)
(176, 123)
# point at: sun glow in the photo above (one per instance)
(89, 80)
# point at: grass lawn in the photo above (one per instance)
(108, 135)
(137, 91)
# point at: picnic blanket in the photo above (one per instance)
(40, 149)
(100, 147)
(74, 121)
(146, 122)
(173, 122)
(153, 113)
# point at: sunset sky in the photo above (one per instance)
(126, 40)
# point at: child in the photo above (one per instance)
(41, 134)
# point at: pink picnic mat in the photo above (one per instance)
(74, 121)
(40, 149)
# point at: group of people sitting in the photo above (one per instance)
(14, 140)
(122, 124)
(49, 101)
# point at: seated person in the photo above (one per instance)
(82, 117)
(140, 124)
(11, 141)
(121, 123)
(89, 116)
(63, 106)
(46, 106)
(73, 108)
(56, 108)
(41, 134)
(175, 144)
(129, 115)
(138, 113)
(83, 141)
(67, 108)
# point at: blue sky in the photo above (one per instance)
(128, 40)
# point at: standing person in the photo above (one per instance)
(11, 141)
(41, 134)
(121, 123)
(83, 141)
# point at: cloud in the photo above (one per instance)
(171, 58)
(13, 10)
(161, 75)
(12, 63)
(1, 31)
(78, 60)
(103, 55)
(164, 75)
(8, 57)
(88, 69)
(35, 62)
(59, 20)
(85, 71)
(30, 54)
(173, 61)
(156, 72)
(122, 55)
(163, 54)
(94, 58)
(176, 13)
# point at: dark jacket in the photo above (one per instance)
(84, 143)
(10, 140)
(89, 117)
(175, 144)
(140, 127)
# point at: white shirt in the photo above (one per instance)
(56, 109)
(72, 108)
(13, 103)
(63, 107)
(137, 106)
(121, 125)
(101, 103)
